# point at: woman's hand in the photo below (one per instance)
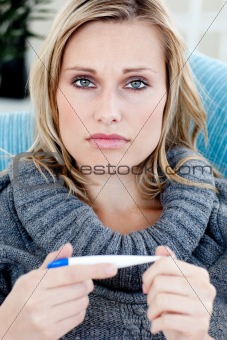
(47, 304)
(180, 298)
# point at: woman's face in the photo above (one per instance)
(112, 81)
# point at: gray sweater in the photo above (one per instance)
(36, 218)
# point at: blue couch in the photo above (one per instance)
(16, 128)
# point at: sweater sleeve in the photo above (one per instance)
(5, 220)
(17, 252)
(218, 270)
(218, 277)
(4, 290)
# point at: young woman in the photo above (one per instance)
(114, 169)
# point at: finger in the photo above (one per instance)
(70, 292)
(167, 303)
(171, 266)
(190, 286)
(189, 326)
(66, 325)
(164, 251)
(67, 275)
(160, 251)
(64, 251)
(69, 309)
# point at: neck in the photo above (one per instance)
(117, 194)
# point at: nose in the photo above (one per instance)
(107, 110)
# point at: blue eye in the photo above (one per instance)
(84, 83)
(136, 84)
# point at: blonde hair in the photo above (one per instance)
(183, 107)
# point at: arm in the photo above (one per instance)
(47, 304)
(33, 303)
(218, 277)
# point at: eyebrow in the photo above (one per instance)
(126, 70)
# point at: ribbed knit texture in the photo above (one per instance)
(36, 219)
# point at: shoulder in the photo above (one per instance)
(25, 174)
(190, 165)
(180, 153)
(196, 168)
(4, 181)
(208, 195)
(23, 180)
(189, 182)
(8, 215)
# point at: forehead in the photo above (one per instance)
(114, 42)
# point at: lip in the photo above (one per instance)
(107, 137)
(104, 141)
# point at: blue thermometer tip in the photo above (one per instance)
(58, 263)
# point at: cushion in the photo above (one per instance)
(211, 78)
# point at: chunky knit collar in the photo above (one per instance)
(192, 223)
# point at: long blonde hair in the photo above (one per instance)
(184, 116)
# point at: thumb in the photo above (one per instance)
(164, 251)
(64, 251)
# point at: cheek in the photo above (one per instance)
(149, 120)
(71, 118)
(147, 128)
(69, 123)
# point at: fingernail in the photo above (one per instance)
(172, 254)
(167, 248)
(111, 270)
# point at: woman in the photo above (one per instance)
(113, 68)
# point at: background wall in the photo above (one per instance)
(192, 17)
(195, 19)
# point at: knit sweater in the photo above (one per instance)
(36, 219)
